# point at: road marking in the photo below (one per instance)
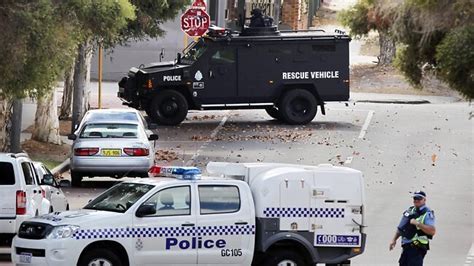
(366, 124)
(470, 256)
(204, 145)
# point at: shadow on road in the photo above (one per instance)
(4, 258)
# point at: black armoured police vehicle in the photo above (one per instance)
(289, 74)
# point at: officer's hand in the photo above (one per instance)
(414, 222)
(392, 245)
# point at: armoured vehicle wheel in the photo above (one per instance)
(76, 179)
(169, 107)
(99, 257)
(298, 107)
(273, 112)
(284, 257)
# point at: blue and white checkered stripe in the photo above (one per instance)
(164, 231)
(304, 212)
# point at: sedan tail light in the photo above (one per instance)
(136, 151)
(20, 202)
(86, 151)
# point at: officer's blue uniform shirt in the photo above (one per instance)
(429, 220)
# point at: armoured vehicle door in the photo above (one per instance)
(219, 75)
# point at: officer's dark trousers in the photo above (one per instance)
(412, 256)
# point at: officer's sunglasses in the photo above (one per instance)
(417, 198)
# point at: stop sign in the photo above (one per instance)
(195, 22)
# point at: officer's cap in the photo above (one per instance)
(419, 194)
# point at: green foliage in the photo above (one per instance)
(356, 18)
(455, 57)
(407, 61)
(150, 14)
(440, 34)
(423, 3)
(99, 20)
(39, 38)
(34, 47)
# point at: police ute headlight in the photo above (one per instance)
(179, 172)
(63, 231)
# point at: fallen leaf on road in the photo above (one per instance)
(165, 155)
(433, 159)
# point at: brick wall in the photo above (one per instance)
(294, 14)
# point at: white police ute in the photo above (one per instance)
(247, 214)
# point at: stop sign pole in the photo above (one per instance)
(195, 21)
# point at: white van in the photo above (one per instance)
(21, 196)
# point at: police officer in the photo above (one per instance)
(257, 19)
(416, 227)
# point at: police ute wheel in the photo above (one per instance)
(273, 112)
(100, 257)
(284, 257)
(298, 107)
(169, 107)
(76, 179)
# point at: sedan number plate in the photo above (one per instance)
(111, 152)
(25, 257)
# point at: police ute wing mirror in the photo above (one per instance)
(178, 58)
(148, 208)
(153, 137)
(71, 136)
(48, 179)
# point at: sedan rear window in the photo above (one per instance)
(129, 116)
(110, 131)
(8, 176)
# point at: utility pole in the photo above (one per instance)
(100, 76)
(15, 132)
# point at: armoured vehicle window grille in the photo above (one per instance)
(8, 176)
(171, 201)
(224, 56)
(28, 173)
(317, 48)
(218, 199)
(194, 51)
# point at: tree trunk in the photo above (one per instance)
(5, 112)
(46, 120)
(387, 49)
(66, 104)
(87, 82)
(15, 129)
(81, 92)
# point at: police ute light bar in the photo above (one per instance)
(179, 172)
